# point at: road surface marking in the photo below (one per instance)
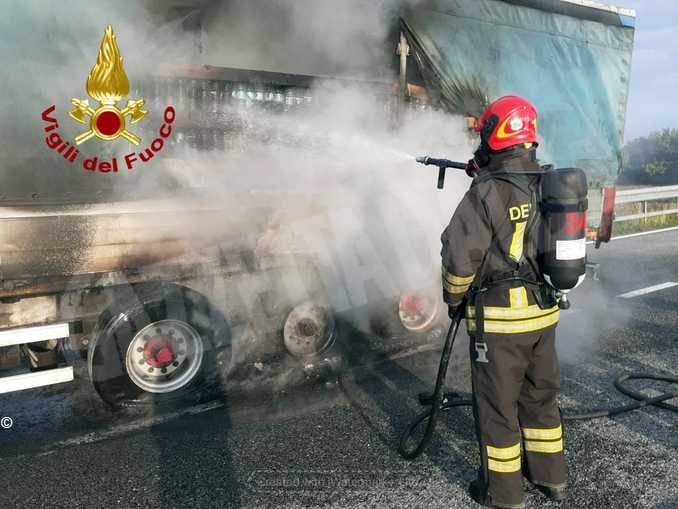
(639, 234)
(645, 291)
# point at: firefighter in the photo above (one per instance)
(490, 262)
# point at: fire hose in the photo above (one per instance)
(440, 401)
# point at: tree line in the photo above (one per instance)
(651, 160)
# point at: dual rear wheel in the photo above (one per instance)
(163, 343)
(158, 344)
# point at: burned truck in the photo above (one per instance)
(285, 234)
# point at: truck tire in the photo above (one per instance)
(158, 344)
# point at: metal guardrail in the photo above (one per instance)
(645, 195)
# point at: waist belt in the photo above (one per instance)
(477, 294)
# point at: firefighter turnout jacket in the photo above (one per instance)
(490, 260)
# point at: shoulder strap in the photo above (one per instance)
(535, 200)
(532, 187)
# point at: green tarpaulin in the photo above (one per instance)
(576, 71)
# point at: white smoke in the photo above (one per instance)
(347, 185)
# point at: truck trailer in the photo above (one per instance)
(161, 290)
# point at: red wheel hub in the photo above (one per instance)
(417, 312)
(413, 304)
(158, 352)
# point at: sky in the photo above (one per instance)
(654, 81)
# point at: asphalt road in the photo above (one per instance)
(336, 445)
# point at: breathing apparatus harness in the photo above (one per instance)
(546, 294)
(525, 272)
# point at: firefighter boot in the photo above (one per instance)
(480, 495)
(557, 494)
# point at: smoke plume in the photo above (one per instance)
(335, 177)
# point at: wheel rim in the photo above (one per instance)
(417, 312)
(164, 356)
(308, 330)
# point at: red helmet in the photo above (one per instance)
(507, 122)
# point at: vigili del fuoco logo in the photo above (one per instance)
(107, 84)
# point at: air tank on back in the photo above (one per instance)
(564, 204)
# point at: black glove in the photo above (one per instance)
(451, 311)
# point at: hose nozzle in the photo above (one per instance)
(442, 165)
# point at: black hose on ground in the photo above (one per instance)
(437, 403)
(440, 401)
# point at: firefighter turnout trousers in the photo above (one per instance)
(526, 437)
